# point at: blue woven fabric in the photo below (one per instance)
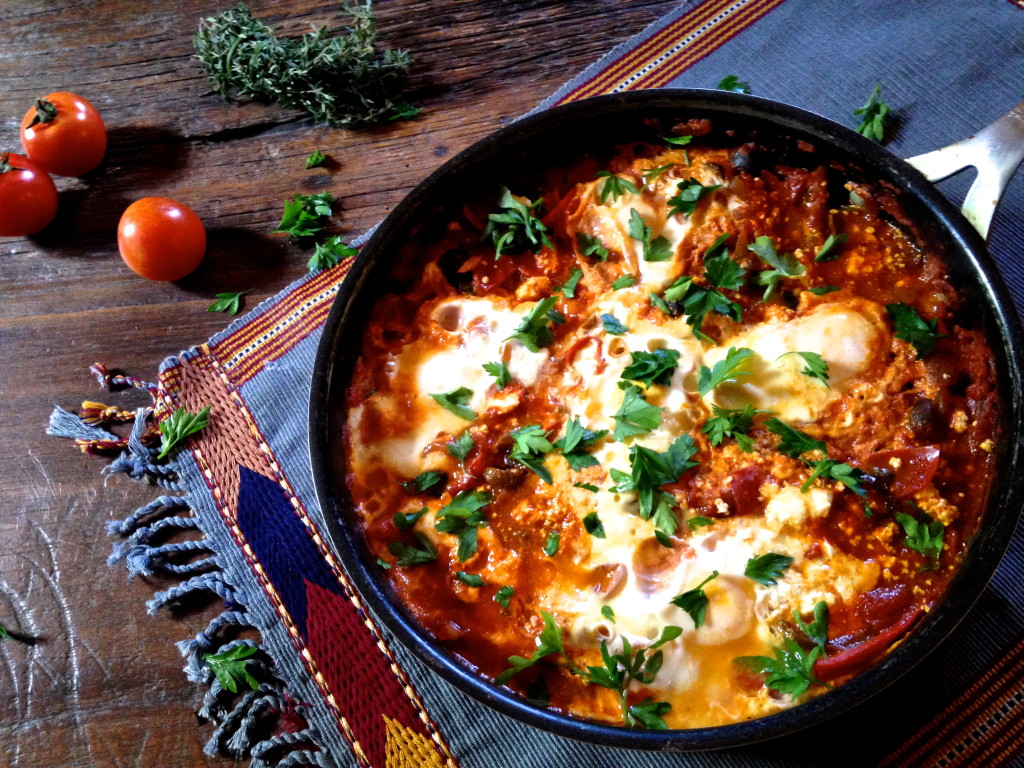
(947, 68)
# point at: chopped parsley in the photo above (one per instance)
(515, 228)
(612, 325)
(549, 642)
(623, 282)
(551, 543)
(831, 469)
(911, 327)
(470, 579)
(767, 569)
(651, 174)
(590, 245)
(656, 249)
(727, 369)
(924, 536)
(573, 444)
(659, 303)
(718, 246)
(650, 368)
(814, 365)
(817, 630)
(734, 423)
(783, 264)
(456, 401)
(305, 215)
(586, 487)
(699, 521)
(794, 443)
(568, 288)
(695, 602)
(733, 84)
(690, 193)
(608, 613)
(649, 470)
(315, 160)
(635, 416)
(503, 595)
(829, 249)
(533, 332)
(423, 481)
(723, 272)
(502, 375)
(874, 115)
(698, 301)
(593, 525)
(614, 186)
(408, 556)
(406, 521)
(677, 141)
(462, 516)
(531, 443)
(791, 671)
(821, 290)
(461, 446)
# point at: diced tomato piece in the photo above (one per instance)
(746, 490)
(911, 468)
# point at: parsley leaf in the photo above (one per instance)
(586, 487)
(455, 401)
(403, 110)
(232, 667)
(593, 525)
(650, 174)
(911, 327)
(531, 443)
(573, 444)
(502, 596)
(635, 416)
(423, 481)
(406, 521)
(766, 569)
(305, 215)
(612, 325)
(408, 556)
(533, 332)
(228, 302)
(699, 521)
(677, 141)
(316, 159)
(180, 425)
(659, 303)
(695, 602)
(875, 113)
(834, 470)
(650, 470)
(551, 543)
(794, 443)
(733, 83)
(718, 247)
(723, 272)
(690, 193)
(591, 245)
(731, 422)
(814, 365)
(549, 642)
(924, 536)
(785, 264)
(829, 250)
(615, 186)
(568, 288)
(658, 249)
(461, 446)
(383, 563)
(821, 290)
(515, 228)
(462, 516)
(648, 713)
(502, 375)
(791, 671)
(817, 630)
(724, 370)
(330, 253)
(650, 368)
(470, 579)
(608, 613)
(698, 301)
(623, 282)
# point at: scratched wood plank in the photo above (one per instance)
(104, 687)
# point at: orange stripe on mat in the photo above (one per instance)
(648, 51)
(693, 53)
(951, 739)
(281, 343)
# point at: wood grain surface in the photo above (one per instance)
(103, 685)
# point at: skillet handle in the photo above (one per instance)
(995, 151)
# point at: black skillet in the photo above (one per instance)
(561, 134)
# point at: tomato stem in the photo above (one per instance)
(45, 112)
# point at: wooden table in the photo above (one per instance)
(103, 686)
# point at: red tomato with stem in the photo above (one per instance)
(64, 134)
(160, 238)
(28, 197)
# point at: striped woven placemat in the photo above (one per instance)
(334, 689)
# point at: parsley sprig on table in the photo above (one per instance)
(875, 114)
(515, 228)
(231, 667)
(330, 253)
(315, 160)
(228, 302)
(179, 426)
(734, 84)
(335, 74)
(305, 215)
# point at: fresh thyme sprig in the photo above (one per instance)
(333, 73)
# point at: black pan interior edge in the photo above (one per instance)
(971, 268)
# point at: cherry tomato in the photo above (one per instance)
(160, 238)
(64, 134)
(28, 198)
